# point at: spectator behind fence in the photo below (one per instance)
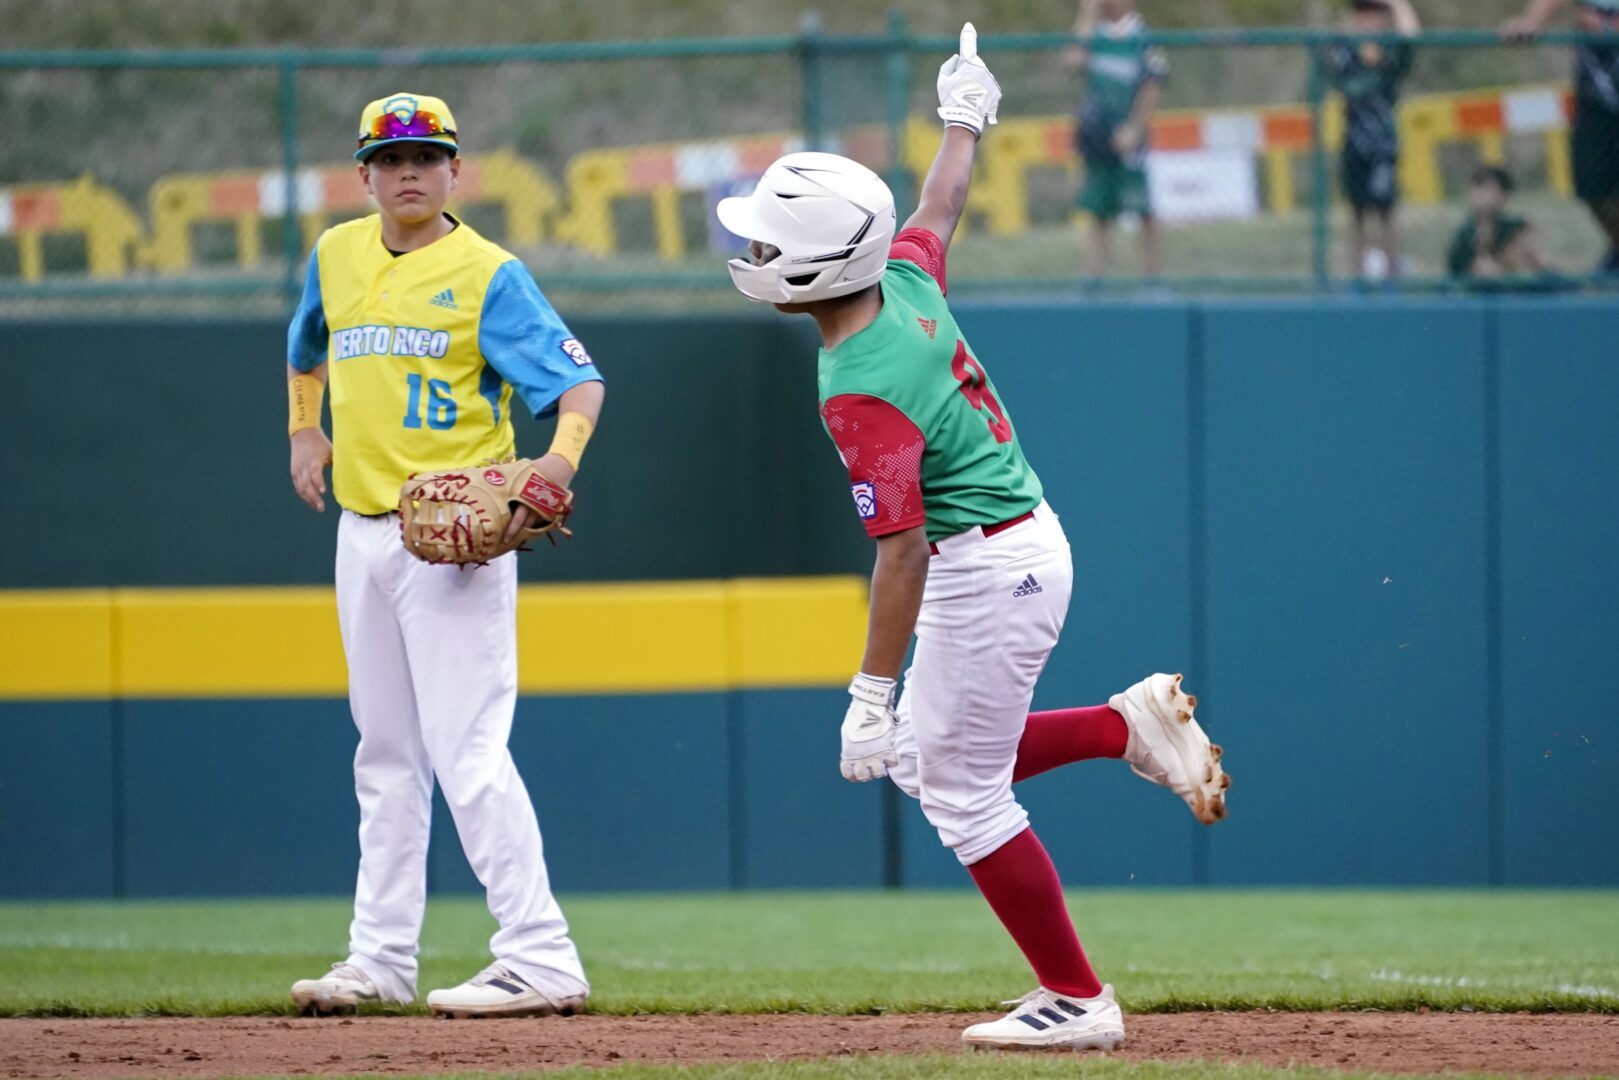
(1124, 79)
(1595, 137)
(1368, 74)
(1493, 243)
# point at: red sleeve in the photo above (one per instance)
(924, 249)
(882, 450)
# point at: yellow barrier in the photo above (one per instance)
(284, 642)
(110, 228)
(597, 180)
(180, 202)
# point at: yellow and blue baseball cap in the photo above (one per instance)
(405, 118)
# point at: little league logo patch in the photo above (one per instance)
(576, 352)
(403, 107)
(865, 499)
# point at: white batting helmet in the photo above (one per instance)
(832, 219)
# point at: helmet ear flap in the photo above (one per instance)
(820, 227)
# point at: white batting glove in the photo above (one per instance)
(968, 94)
(868, 729)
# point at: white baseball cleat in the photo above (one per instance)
(1168, 747)
(1042, 1020)
(499, 991)
(339, 992)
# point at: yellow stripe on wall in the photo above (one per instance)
(56, 644)
(581, 638)
(571, 639)
(263, 642)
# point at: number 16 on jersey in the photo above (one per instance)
(440, 410)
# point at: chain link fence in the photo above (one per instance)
(199, 180)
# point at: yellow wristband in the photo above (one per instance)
(304, 395)
(573, 432)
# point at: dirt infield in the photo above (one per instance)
(1559, 1045)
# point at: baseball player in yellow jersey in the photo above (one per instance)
(970, 557)
(421, 330)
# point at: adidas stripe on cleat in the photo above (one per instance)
(497, 990)
(1043, 1020)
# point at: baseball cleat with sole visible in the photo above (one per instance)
(340, 992)
(499, 991)
(1168, 747)
(1043, 1020)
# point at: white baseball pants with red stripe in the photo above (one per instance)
(991, 614)
(432, 659)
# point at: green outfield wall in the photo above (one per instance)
(1377, 533)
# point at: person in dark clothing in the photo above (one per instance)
(1369, 75)
(1493, 243)
(1595, 136)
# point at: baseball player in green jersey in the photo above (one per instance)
(1124, 79)
(970, 558)
(1493, 243)
(1368, 75)
(428, 335)
(1595, 137)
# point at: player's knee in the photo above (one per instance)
(465, 778)
(974, 830)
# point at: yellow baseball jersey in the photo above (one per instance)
(423, 351)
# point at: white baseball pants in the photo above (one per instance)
(432, 658)
(991, 614)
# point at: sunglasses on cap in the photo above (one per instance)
(420, 126)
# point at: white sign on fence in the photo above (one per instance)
(1203, 185)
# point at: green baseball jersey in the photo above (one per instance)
(1369, 76)
(1464, 246)
(920, 426)
(1119, 65)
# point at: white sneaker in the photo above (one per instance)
(1167, 746)
(1043, 1020)
(337, 993)
(499, 991)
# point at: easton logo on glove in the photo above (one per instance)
(461, 515)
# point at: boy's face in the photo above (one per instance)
(1486, 199)
(411, 181)
(762, 253)
(1114, 10)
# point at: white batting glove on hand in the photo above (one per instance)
(868, 729)
(968, 94)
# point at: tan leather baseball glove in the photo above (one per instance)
(461, 515)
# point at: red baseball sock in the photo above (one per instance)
(1062, 736)
(1022, 887)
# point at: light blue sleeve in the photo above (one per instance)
(522, 337)
(307, 334)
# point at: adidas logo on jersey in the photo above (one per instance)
(445, 299)
(929, 326)
(1028, 587)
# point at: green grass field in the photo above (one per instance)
(858, 952)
